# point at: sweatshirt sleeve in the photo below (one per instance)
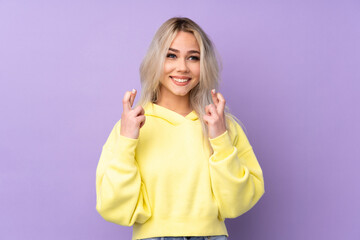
(236, 177)
(121, 196)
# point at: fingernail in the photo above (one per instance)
(133, 91)
(213, 91)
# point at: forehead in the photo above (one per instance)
(185, 41)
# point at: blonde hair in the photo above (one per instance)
(152, 68)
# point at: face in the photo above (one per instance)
(181, 66)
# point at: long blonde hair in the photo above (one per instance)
(152, 68)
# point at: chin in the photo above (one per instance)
(181, 94)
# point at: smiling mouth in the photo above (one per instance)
(180, 79)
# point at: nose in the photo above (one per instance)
(182, 65)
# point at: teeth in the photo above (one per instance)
(181, 80)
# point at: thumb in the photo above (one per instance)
(212, 110)
(207, 110)
(206, 119)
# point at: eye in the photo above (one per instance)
(195, 58)
(170, 55)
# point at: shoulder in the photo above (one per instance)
(237, 133)
(116, 127)
(114, 135)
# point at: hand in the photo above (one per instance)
(215, 116)
(131, 119)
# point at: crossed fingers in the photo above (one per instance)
(219, 101)
(128, 100)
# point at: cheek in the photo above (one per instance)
(168, 67)
(196, 70)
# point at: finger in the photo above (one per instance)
(221, 105)
(132, 98)
(142, 124)
(142, 120)
(142, 112)
(206, 119)
(207, 110)
(212, 110)
(214, 97)
(126, 102)
(138, 111)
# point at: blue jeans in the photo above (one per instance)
(220, 237)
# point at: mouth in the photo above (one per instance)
(182, 80)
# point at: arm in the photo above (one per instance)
(121, 195)
(236, 177)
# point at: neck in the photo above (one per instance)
(179, 104)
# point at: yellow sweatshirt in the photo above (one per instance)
(167, 182)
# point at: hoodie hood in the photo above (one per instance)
(174, 118)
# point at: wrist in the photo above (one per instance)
(222, 146)
(130, 135)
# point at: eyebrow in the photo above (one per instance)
(191, 51)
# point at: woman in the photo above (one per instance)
(191, 165)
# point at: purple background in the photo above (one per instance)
(291, 72)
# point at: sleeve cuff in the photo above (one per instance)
(222, 146)
(125, 147)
